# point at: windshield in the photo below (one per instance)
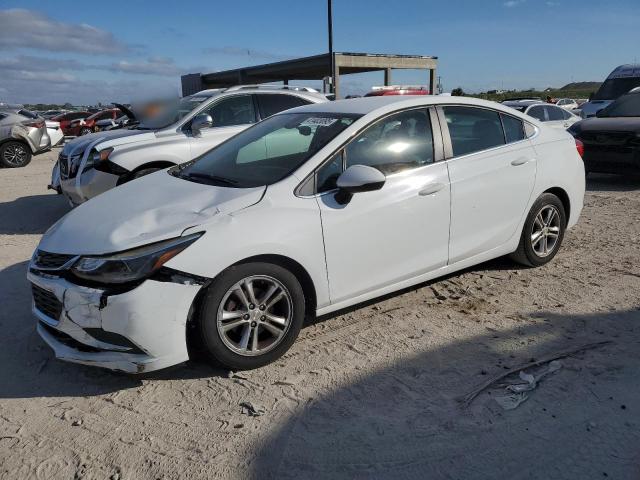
(171, 112)
(625, 106)
(267, 152)
(614, 87)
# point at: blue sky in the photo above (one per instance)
(86, 52)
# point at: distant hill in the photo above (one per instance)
(590, 86)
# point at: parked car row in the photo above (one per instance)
(552, 114)
(260, 207)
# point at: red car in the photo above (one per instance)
(398, 90)
(65, 119)
(88, 125)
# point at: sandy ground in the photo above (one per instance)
(370, 393)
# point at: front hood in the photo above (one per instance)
(605, 124)
(153, 208)
(80, 144)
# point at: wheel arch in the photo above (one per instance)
(564, 198)
(308, 287)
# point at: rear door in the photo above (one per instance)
(230, 115)
(492, 169)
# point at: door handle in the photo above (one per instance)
(519, 161)
(431, 189)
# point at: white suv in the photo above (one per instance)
(95, 163)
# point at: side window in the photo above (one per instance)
(273, 103)
(555, 113)
(566, 115)
(513, 128)
(399, 142)
(537, 112)
(236, 110)
(473, 129)
(326, 177)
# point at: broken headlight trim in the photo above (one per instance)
(96, 158)
(131, 265)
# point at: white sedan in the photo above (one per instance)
(551, 115)
(309, 211)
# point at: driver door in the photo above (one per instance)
(396, 233)
(230, 116)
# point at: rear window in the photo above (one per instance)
(555, 113)
(473, 129)
(270, 104)
(625, 106)
(513, 128)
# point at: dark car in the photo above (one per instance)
(66, 118)
(87, 125)
(612, 138)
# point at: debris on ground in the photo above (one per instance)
(467, 399)
(518, 391)
(252, 410)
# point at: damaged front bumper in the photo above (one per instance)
(137, 331)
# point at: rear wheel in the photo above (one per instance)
(14, 154)
(251, 315)
(543, 232)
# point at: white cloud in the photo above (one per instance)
(513, 3)
(20, 28)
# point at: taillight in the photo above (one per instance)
(580, 148)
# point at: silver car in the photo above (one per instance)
(22, 134)
(95, 163)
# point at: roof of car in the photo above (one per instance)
(364, 105)
(522, 102)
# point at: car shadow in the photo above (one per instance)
(602, 182)
(32, 215)
(24, 355)
(405, 420)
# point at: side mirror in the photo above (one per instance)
(356, 179)
(200, 122)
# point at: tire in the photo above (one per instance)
(14, 155)
(547, 217)
(85, 131)
(143, 172)
(231, 349)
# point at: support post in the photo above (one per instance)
(387, 77)
(432, 81)
(336, 81)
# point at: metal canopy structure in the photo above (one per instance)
(316, 67)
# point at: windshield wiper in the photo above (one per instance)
(213, 178)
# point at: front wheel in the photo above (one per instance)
(543, 232)
(14, 155)
(251, 315)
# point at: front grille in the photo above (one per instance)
(63, 165)
(50, 261)
(69, 341)
(46, 302)
(69, 165)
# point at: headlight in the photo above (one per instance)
(131, 265)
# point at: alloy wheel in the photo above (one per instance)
(546, 231)
(254, 315)
(15, 154)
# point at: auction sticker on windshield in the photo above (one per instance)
(319, 122)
